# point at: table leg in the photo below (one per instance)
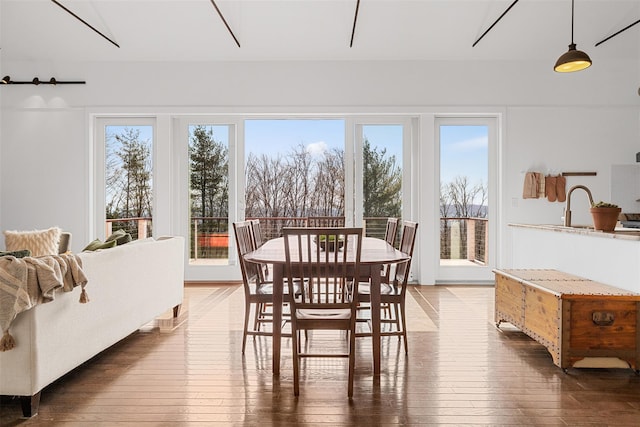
(375, 316)
(278, 288)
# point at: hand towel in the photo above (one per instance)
(530, 190)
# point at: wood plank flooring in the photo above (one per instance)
(460, 370)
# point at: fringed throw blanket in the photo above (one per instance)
(26, 282)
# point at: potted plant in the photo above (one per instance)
(605, 215)
(331, 244)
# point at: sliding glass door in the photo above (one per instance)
(207, 195)
(285, 171)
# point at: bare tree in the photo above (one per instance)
(445, 201)
(301, 184)
(328, 195)
(128, 175)
(299, 172)
(459, 199)
(265, 184)
(466, 200)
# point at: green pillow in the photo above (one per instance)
(120, 236)
(18, 254)
(98, 244)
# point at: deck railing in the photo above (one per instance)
(460, 238)
(464, 238)
(139, 228)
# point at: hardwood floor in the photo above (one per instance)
(461, 370)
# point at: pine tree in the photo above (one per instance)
(209, 174)
(382, 183)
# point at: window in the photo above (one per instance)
(125, 170)
(209, 193)
(381, 176)
(294, 172)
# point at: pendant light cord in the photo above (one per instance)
(572, 6)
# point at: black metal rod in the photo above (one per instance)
(47, 83)
(36, 81)
(213, 2)
(496, 21)
(85, 23)
(615, 34)
(355, 19)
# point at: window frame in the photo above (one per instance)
(98, 218)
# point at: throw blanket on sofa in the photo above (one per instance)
(26, 282)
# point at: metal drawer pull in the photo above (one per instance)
(603, 318)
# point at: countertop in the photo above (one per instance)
(619, 233)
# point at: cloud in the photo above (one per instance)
(317, 148)
(479, 143)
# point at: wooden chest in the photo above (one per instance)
(574, 318)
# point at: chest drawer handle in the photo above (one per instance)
(603, 318)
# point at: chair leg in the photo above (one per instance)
(247, 313)
(352, 360)
(403, 319)
(295, 346)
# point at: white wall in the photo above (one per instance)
(566, 139)
(578, 122)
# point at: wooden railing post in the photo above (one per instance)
(142, 228)
(471, 239)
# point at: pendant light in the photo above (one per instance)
(573, 59)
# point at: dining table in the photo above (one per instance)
(375, 253)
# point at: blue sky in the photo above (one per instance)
(464, 149)
(278, 136)
(464, 152)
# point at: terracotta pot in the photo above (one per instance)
(605, 219)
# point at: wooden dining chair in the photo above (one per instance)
(258, 240)
(393, 292)
(327, 260)
(258, 293)
(390, 237)
(391, 231)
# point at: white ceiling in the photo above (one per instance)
(191, 30)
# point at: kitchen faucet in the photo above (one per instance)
(567, 209)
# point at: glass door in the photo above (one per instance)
(466, 199)
(207, 189)
(379, 178)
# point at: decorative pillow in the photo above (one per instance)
(120, 236)
(18, 254)
(98, 244)
(38, 242)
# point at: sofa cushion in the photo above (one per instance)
(38, 242)
(99, 244)
(120, 236)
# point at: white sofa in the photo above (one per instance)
(128, 286)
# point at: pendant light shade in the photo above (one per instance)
(573, 59)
